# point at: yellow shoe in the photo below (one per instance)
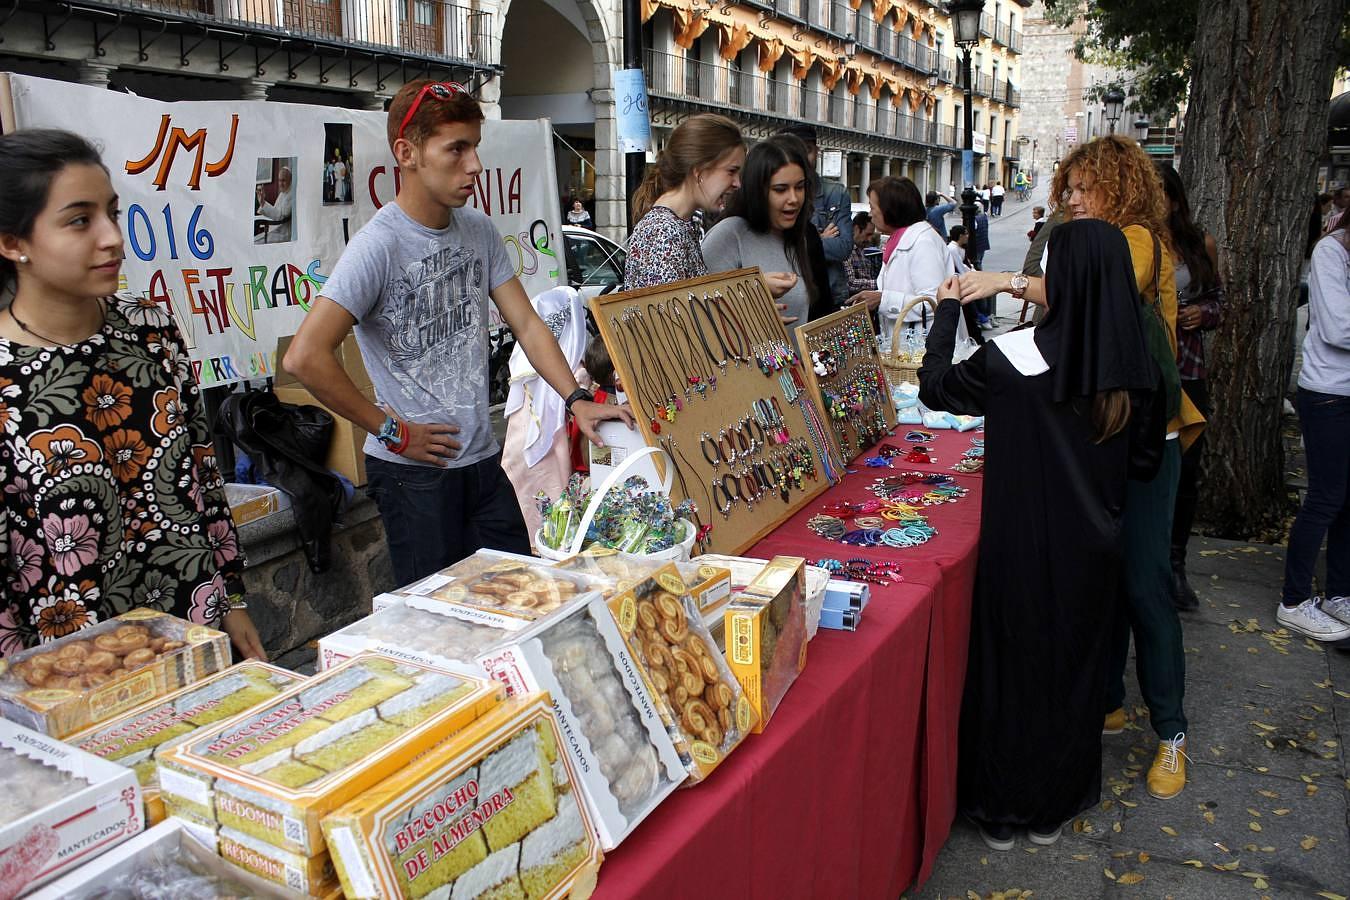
(1167, 775)
(1115, 722)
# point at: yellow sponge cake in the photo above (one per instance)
(520, 772)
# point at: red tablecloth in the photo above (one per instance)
(851, 790)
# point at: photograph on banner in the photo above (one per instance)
(274, 211)
(190, 174)
(337, 167)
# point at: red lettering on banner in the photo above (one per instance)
(167, 144)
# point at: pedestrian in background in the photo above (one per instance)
(1037, 222)
(697, 170)
(861, 273)
(579, 217)
(957, 239)
(1324, 418)
(1200, 303)
(938, 207)
(996, 197)
(977, 247)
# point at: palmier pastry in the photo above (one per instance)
(522, 599)
(67, 666)
(696, 716)
(76, 649)
(138, 658)
(646, 615)
(100, 661)
(724, 718)
(719, 695)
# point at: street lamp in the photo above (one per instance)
(1141, 125)
(966, 23)
(1114, 101)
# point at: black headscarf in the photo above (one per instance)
(1091, 335)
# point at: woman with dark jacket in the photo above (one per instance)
(1072, 404)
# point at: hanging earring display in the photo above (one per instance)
(846, 379)
(715, 380)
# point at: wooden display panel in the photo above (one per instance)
(658, 348)
(848, 335)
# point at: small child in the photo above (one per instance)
(605, 386)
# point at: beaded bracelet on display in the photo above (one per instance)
(973, 459)
(859, 569)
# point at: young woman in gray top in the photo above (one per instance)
(766, 225)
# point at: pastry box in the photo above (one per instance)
(507, 591)
(275, 770)
(168, 860)
(135, 738)
(59, 808)
(99, 672)
(312, 876)
(765, 634)
(709, 584)
(624, 759)
(493, 812)
(705, 711)
(745, 568)
(452, 638)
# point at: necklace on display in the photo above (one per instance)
(640, 388)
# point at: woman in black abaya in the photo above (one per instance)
(1070, 413)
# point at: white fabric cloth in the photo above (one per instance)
(958, 257)
(1021, 350)
(545, 411)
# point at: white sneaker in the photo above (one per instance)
(1337, 608)
(1309, 620)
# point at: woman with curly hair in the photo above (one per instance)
(112, 498)
(1113, 179)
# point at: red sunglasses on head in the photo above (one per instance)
(441, 90)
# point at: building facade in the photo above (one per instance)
(880, 78)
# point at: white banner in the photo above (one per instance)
(235, 212)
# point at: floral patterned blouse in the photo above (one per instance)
(112, 498)
(662, 248)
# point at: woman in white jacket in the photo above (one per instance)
(914, 258)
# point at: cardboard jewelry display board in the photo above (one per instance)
(843, 371)
(713, 380)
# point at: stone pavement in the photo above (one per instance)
(1265, 812)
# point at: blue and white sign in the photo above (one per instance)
(630, 107)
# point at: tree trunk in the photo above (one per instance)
(1256, 121)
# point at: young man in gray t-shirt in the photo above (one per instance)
(415, 284)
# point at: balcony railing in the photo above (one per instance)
(946, 136)
(986, 25)
(424, 27)
(1015, 40)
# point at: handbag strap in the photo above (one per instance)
(1157, 270)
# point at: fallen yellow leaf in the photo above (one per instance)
(1110, 874)
(1269, 795)
(1168, 829)
(1253, 813)
(1081, 857)
(1131, 878)
(1260, 884)
(1263, 726)
(1282, 812)
(1115, 826)
(1194, 862)
(1308, 842)
(1209, 816)
(1143, 856)
(1254, 826)
(1328, 895)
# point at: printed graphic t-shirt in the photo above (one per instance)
(420, 299)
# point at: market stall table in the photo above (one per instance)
(851, 790)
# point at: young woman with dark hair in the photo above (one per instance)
(1070, 403)
(1199, 309)
(914, 258)
(112, 497)
(766, 225)
(696, 171)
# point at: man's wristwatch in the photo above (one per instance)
(1019, 284)
(578, 394)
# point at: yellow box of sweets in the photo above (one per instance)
(492, 812)
(275, 770)
(135, 738)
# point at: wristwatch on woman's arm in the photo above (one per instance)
(578, 394)
(1019, 283)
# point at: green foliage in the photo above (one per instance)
(1149, 39)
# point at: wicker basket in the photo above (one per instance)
(896, 369)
